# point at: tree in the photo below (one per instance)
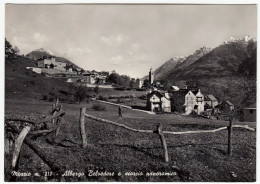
(7, 44)
(146, 83)
(132, 83)
(80, 93)
(97, 89)
(192, 84)
(16, 50)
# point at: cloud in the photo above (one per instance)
(23, 44)
(77, 50)
(116, 60)
(40, 38)
(113, 40)
(134, 48)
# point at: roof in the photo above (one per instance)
(229, 103)
(175, 87)
(86, 73)
(252, 106)
(157, 93)
(210, 97)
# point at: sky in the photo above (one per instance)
(129, 39)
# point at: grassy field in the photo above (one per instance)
(193, 157)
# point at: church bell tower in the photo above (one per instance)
(151, 77)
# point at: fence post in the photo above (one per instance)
(54, 109)
(163, 141)
(18, 144)
(59, 119)
(230, 137)
(82, 127)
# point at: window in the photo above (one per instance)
(251, 111)
(191, 98)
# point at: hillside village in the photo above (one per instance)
(188, 99)
(51, 67)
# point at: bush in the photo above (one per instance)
(45, 97)
(102, 98)
(51, 99)
(98, 107)
(120, 100)
(32, 82)
(80, 93)
(64, 92)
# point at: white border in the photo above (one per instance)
(2, 33)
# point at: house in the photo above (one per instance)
(158, 102)
(194, 102)
(250, 113)
(60, 66)
(225, 106)
(36, 70)
(190, 102)
(101, 79)
(89, 78)
(211, 101)
(51, 64)
(45, 63)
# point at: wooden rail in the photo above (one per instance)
(56, 113)
(165, 132)
(48, 118)
(159, 131)
(118, 124)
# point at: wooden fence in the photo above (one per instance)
(158, 131)
(23, 127)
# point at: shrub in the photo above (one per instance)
(88, 100)
(80, 93)
(32, 82)
(120, 100)
(45, 97)
(51, 93)
(98, 107)
(64, 92)
(102, 98)
(51, 99)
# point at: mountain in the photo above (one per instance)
(186, 61)
(21, 82)
(168, 66)
(222, 61)
(40, 53)
(194, 57)
(227, 71)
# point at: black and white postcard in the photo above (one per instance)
(130, 92)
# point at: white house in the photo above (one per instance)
(194, 102)
(158, 102)
(190, 102)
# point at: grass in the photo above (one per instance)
(194, 157)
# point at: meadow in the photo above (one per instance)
(193, 157)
